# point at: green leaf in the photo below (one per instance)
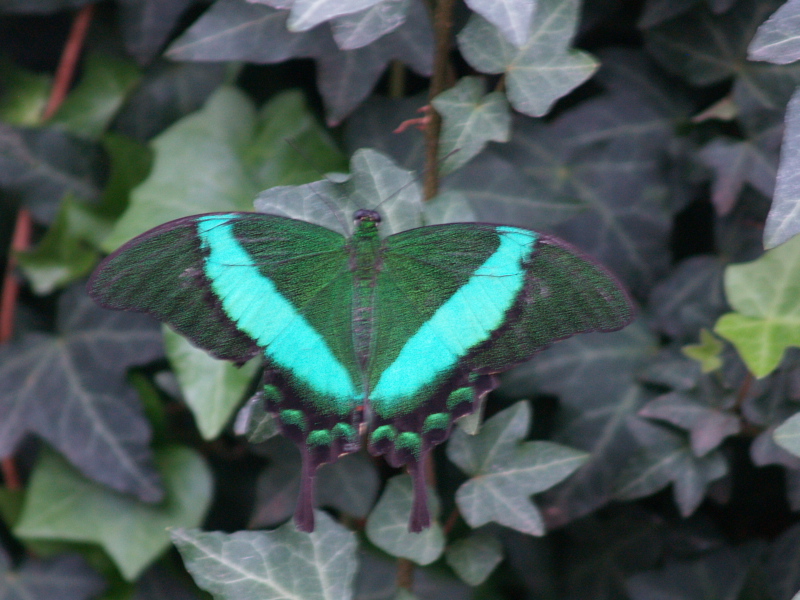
(505, 471)
(387, 525)
(595, 376)
(783, 221)
(290, 146)
(24, 95)
(197, 168)
(307, 14)
(212, 388)
(97, 421)
(706, 48)
(708, 426)
(60, 258)
(707, 352)
(66, 577)
(777, 39)
(360, 29)
(218, 158)
(272, 565)
(512, 17)
(788, 435)
(470, 120)
(104, 86)
(132, 533)
(666, 458)
(474, 557)
(539, 71)
(765, 294)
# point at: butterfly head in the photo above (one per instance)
(363, 214)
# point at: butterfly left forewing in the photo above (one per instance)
(237, 284)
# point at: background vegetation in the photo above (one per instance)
(661, 137)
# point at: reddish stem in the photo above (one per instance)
(23, 228)
(69, 60)
(8, 300)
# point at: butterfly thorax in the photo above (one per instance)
(365, 265)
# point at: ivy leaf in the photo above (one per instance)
(133, 534)
(211, 388)
(254, 421)
(764, 295)
(690, 298)
(707, 352)
(777, 39)
(158, 583)
(24, 94)
(595, 377)
(146, 25)
(168, 92)
(735, 163)
(782, 579)
(66, 577)
(60, 258)
(41, 165)
(512, 17)
(374, 180)
(270, 565)
(360, 29)
(720, 574)
(706, 48)
(505, 471)
(307, 14)
(243, 31)
(707, 427)
(98, 422)
(543, 68)
(470, 120)
(666, 458)
(783, 221)
(788, 435)
(474, 557)
(238, 153)
(387, 524)
(103, 87)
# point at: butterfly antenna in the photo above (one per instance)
(413, 179)
(325, 201)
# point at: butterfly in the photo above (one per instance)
(386, 339)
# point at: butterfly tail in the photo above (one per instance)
(304, 511)
(420, 515)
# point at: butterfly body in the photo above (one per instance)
(406, 331)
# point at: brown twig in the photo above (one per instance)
(744, 389)
(23, 228)
(69, 60)
(8, 300)
(451, 521)
(442, 27)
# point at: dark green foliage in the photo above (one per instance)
(659, 137)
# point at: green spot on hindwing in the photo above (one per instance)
(294, 417)
(409, 441)
(319, 437)
(343, 430)
(384, 432)
(272, 394)
(460, 396)
(436, 421)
